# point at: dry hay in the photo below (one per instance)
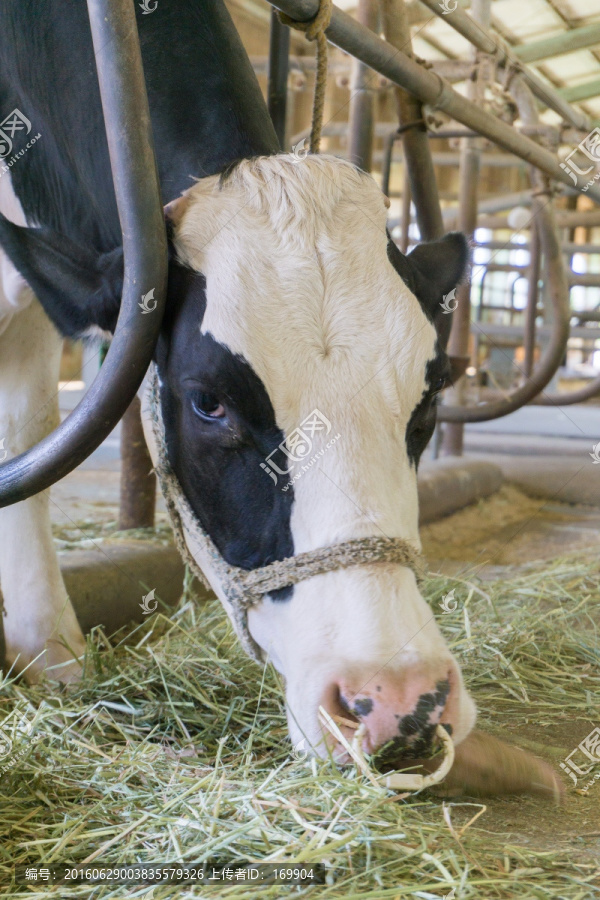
(174, 748)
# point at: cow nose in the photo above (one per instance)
(400, 710)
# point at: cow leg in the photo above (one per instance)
(39, 622)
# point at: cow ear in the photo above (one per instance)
(78, 288)
(439, 267)
(432, 272)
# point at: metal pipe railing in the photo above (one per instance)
(413, 132)
(566, 246)
(564, 219)
(496, 47)
(361, 117)
(469, 168)
(532, 301)
(496, 330)
(129, 134)
(557, 292)
(358, 41)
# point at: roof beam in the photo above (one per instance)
(585, 91)
(569, 41)
(401, 69)
(500, 50)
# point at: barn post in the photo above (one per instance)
(361, 119)
(415, 143)
(138, 481)
(469, 167)
(532, 298)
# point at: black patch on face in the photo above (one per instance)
(217, 461)
(430, 272)
(421, 424)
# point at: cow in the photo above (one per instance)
(286, 298)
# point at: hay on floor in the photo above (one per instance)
(175, 748)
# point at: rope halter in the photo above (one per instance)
(239, 589)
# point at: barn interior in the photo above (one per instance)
(180, 741)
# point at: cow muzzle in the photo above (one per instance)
(400, 710)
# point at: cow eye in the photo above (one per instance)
(439, 384)
(207, 406)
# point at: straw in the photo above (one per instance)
(174, 748)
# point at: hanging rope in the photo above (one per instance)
(315, 31)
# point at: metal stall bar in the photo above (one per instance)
(129, 134)
(585, 219)
(358, 41)
(567, 246)
(468, 186)
(361, 119)
(413, 132)
(557, 291)
(495, 46)
(532, 300)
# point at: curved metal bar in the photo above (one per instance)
(129, 134)
(585, 393)
(558, 292)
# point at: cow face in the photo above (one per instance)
(299, 365)
(299, 362)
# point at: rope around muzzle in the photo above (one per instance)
(237, 588)
(315, 31)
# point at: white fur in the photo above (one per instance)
(39, 616)
(299, 284)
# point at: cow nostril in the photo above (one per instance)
(339, 708)
(358, 707)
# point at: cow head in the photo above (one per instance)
(299, 366)
(299, 362)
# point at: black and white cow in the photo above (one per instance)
(286, 295)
